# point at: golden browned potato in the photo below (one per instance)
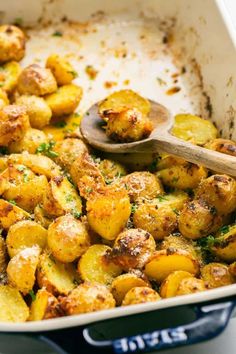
(32, 139)
(61, 197)
(140, 295)
(232, 269)
(14, 123)
(22, 267)
(67, 238)
(167, 261)
(166, 161)
(12, 43)
(9, 74)
(122, 100)
(160, 221)
(12, 306)
(224, 146)
(178, 242)
(95, 266)
(190, 285)
(111, 170)
(64, 100)
(37, 109)
(108, 211)
(175, 200)
(219, 191)
(171, 283)
(216, 275)
(87, 297)
(44, 306)
(125, 282)
(128, 125)
(68, 150)
(185, 176)
(194, 129)
(35, 80)
(41, 218)
(132, 249)
(3, 261)
(4, 101)
(142, 185)
(62, 70)
(56, 277)
(10, 214)
(25, 234)
(198, 219)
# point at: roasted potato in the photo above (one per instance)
(190, 285)
(216, 275)
(12, 306)
(175, 200)
(224, 146)
(218, 191)
(9, 74)
(142, 185)
(169, 286)
(37, 109)
(44, 306)
(35, 80)
(95, 266)
(10, 214)
(167, 261)
(232, 269)
(87, 297)
(30, 142)
(14, 123)
(25, 234)
(22, 267)
(166, 161)
(194, 129)
(4, 101)
(41, 218)
(128, 125)
(133, 248)
(183, 177)
(111, 170)
(178, 242)
(67, 238)
(61, 197)
(108, 211)
(125, 282)
(62, 70)
(160, 221)
(56, 277)
(122, 100)
(63, 128)
(64, 100)
(3, 261)
(140, 295)
(198, 219)
(12, 43)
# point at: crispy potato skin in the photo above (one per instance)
(36, 80)
(62, 70)
(14, 123)
(37, 109)
(190, 285)
(128, 125)
(175, 243)
(12, 43)
(140, 295)
(12, 306)
(3, 261)
(219, 191)
(9, 76)
(67, 238)
(10, 214)
(87, 297)
(142, 185)
(132, 249)
(4, 101)
(30, 142)
(159, 221)
(198, 219)
(111, 170)
(224, 146)
(44, 306)
(169, 286)
(216, 275)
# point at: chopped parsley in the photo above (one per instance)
(32, 294)
(57, 34)
(175, 179)
(74, 73)
(46, 149)
(133, 208)
(77, 214)
(69, 198)
(25, 178)
(161, 198)
(21, 168)
(18, 21)
(161, 81)
(3, 149)
(61, 124)
(12, 201)
(89, 190)
(176, 211)
(224, 229)
(153, 166)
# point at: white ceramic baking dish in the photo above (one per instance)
(126, 42)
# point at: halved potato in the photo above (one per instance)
(165, 262)
(62, 70)
(4, 101)
(10, 214)
(24, 234)
(171, 283)
(216, 275)
(9, 74)
(41, 217)
(44, 306)
(32, 139)
(94, 266)
(140, 295)
(175, 200)
(190, 285)
(194, 129)
(12, 306)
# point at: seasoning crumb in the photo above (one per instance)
(161, 81)
(173, 90)
(109, 84)
(126, 82)
(91, 72)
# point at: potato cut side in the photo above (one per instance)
(170, 285)
(23, 234)
(56, 277)
(225, 245)
(10, 214)
(12, 306)
(95, 267)
(194, 129)
(165, 262)
(175, 200)
(44, 306)
(123, 283)
(9, 75)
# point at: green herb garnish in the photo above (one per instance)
(224, 229)
(77, 214)
(12, 201)
(161, 198)
(133, 208)
(57, 34)
(3, 150)
(32, 294)
(61, 124)
(46, 149)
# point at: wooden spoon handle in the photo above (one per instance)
(213, 160)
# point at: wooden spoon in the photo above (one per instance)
(160, 140)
